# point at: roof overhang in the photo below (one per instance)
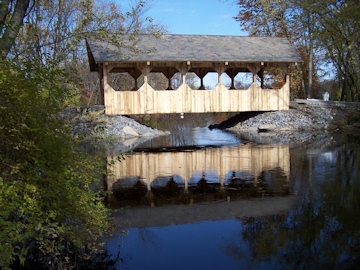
(192, 48)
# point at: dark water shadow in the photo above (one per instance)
(234, 120)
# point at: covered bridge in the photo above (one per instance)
(241, 65)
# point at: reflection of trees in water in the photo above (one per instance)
(268, 183)
(171, 188)
(322, 231)
(148, 239)
(203, 186)
(136, 192)
(103, 260)
(274, 182)
(178, 138)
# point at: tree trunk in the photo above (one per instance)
(4, 12)
(11, 29)
(310, 67)
(311, 54)
(302, 80)
(343, 90)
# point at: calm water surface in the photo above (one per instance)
(210, 200)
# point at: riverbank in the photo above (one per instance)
(299, 117)
(302, 122)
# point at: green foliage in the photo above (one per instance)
(339, 37)
(93, 116)
(51, 209)
(89, 125)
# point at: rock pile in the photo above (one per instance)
(125, 127)
(299, 117)
(293, 138)
(96, 124)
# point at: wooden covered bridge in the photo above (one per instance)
(174, 57)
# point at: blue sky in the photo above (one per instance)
(195, 17)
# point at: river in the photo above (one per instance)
(208, 199)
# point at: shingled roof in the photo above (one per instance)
(194, 48)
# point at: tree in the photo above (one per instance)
(322, 31)
(339, 38)
(55, 31)
(51, 204)
(12, 13)
(291, 19)
(51, 210)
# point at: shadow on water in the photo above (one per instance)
(234, 120)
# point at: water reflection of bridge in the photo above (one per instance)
(218, 166)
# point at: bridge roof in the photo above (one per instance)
(194, 48)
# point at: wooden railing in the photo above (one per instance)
(146, 100)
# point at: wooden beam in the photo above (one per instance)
(101, 83)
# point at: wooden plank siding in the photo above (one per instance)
(146, 100)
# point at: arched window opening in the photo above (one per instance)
(176, 80)
(243, 80)
(211, 79)
(192, 80)
(121, 81)
(271, 78)
(226, 80)
(158, 81)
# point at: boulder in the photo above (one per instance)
(130, 132)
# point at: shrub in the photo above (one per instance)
(51, 211)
